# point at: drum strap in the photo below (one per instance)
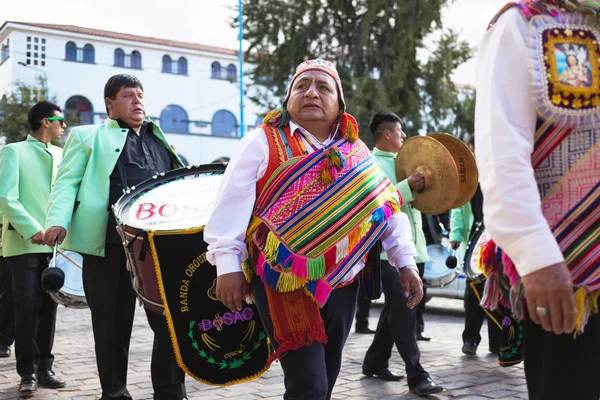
(145, 244)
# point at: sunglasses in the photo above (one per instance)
(61, 119)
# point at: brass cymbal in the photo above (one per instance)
(428, 156)
(465, 163)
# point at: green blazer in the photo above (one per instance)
(461, 221)
(387, 162)
(79, 199)
(27, 170)
(1, 216)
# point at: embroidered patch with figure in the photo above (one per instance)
(565, 55)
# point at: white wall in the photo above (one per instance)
(198, 94)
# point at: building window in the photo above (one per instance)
(79, 111)
(136, 60)
(215, 70)
(231, 73)
(224, 123)
(182, 66)
(74, 53)
(88, 54)
(166, 64)
(40, 51)
(119, 58)
(170, 66)
(5, 52)
(174, 119)
(133, 60)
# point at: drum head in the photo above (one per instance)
(175, 200)
(471, 266)
(437, 274)
(71, 294)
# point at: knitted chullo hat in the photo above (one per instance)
(318, 65)
(347, 124)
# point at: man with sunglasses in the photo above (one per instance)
(27, 172)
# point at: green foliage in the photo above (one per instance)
(374, 44)
(15, 106)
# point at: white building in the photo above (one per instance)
(192, 90)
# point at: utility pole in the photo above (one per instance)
(241, 61)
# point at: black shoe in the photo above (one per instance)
(495, 350)
(28, 386)
(423, 338)
(426, 388)
(364, 329)
(469, 348)
(4, 351)
(383, 373)
(50, 380)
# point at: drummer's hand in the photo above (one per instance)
(454, 244)
(232, 289)
(411, 283)
(551, 288)
(53, 234)
(417, 182)
(38, 238)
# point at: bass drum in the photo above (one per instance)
(437, 274)
(472, 253)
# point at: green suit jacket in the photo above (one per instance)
(79, 200)
(387, 162)
(461, 221)
(27, 170)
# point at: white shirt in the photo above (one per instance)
(226, 228)
(505, 124)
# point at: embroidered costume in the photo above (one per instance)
(564, 54)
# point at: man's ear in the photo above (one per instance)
(108, 103)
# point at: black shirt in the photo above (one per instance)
(142, 156)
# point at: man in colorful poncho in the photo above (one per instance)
(538, 152)
(317, 202)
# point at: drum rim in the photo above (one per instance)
(479, 230)
(439, 282)
(162, 177)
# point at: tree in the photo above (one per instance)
(14, 109)
(374, 44)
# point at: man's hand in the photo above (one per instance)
(232, 289)
(53, 234)
(417, 182)
(411, 283)
(551, 289)
(454, 244)
(38, 238)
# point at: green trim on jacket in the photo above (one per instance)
(27, 170)
(387, 162)
(79, 199)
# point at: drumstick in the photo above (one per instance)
(69, 259)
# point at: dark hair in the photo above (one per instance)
(379, 119)
(221, 160)
(118, 82)
(471, 141)
(41, 110)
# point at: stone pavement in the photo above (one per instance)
(465, 378)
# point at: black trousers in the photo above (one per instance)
(420, 308)
(111, 299)
(35, 314)
(558, 367)
(474, 316)
(396, 325)
(7, 315)
(168, 380)
(363, 308)
(311, 371)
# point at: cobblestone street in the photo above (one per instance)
(463, 377)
